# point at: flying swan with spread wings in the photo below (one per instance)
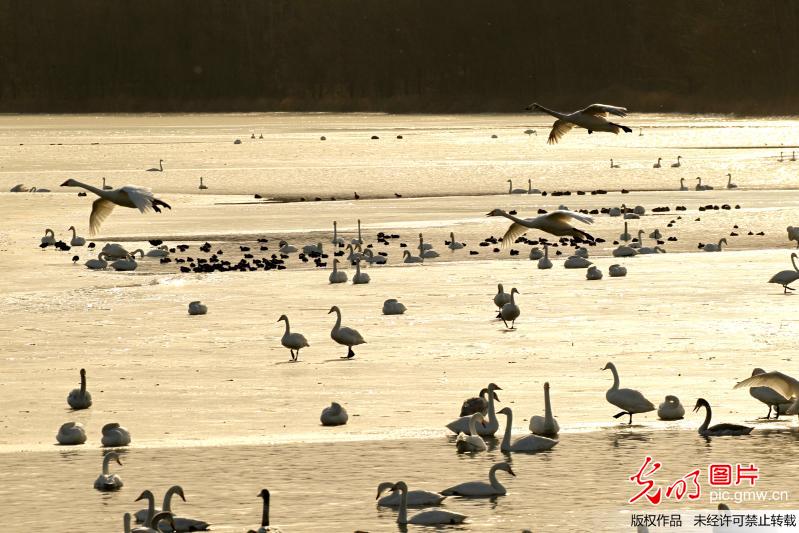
(593, 118)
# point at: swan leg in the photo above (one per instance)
(776, 411)
(631, 418)
(350, 353)
(506, 324)
(499, 314)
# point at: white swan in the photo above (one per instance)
(718, 430)
(161, 251)
(485, 429)
(769, 396)
(426, 518)
(128, 196)
(575, 261)
(393, 307)
(161, 522)
(511, 190)
(160, 167)
(700, 187)
(530, 189)
(115, 435)
(782, 383)
(292, 341)
(657, 165)
(730, 184)
(500, 299)
(360, 278)
(591, 118)
(656, 234)
(408, 258)
(631, 401)
(624, 251)
(335, 415)
(626, 237)
(481, 489)
(127, 264)
(544, 263)
(265, 527)
(677, 164)
(49, 237)
(593, 273)
(555, 223)
(528, 443)
(614, 165)
(107, 481)
(510, 311)
(70, 434)
(106, 187)
(181, 524)
(638, 240)
(453, 244)
(145, 515)
(786, 277)
(671, 409)
(115, 251)
(370, 257)
(76, 241)
(353, 256)
(617, 271)
(416, 498)
(546, 425)
(197, 308)
(97, 264)
(309, 249)
(426, 251)
(715, 247)
(793, 234)
(359, 240)
(536, 253)
(337, 276)
(683, 186)
(471, 442)
(80, 398)
(336, 240)
(345, 336)
(286, 248)
(202, 185)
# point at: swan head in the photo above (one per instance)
(531, 107)
(383, 487)
(758, 371)
(672, 399)
(400, 486)
(514, 291)
(609, 365)
(495, 213)
(506, 467)
(484, 392)
(283, 317)
(177, 489)
(82, 372)
(112, 456)
(493, 386)
(334, 309)
(701, 402)
(504, 411)
(146, 495)
(265, 494)
(546, 385)
(70, 183)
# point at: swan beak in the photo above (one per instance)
(119, 462)
(510, 471)
(65, 184)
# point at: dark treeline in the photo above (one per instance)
(728, 56)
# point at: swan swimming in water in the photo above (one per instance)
(718, 430)
(631, 401)
(286, 248)
(786, 277)
(671, 409)
(107, 481)
(416, 498)
(730, 184)
(145, 515)
(657, 165)
(683, 186)
(115, 435)
(335, 415)
(160, 167)
(370, 257)
(769, 396)
(425, 250)
(486, 429)
(345, 336)
(511, 190)
(292, 341)
(71, 434)
(481, 489)
(429, 518)
(181, 524)
(408, 258)
(128, 196)
(471, 442)
(265, 527)
(678, 164)
(528, 443)
(80, 398)
(555, 223)
(546, 425)
(76, 241)
(591, 118)
(453, 244)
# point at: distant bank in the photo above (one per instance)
(717, 56)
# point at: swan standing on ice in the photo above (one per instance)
(510, 311)
(97, 264)
(453, 244)
(591, 118)
(544, 263)
(500, 299)
(718, 430)
(265, 527)
(49, 237)
(416, 498)
(768, 396)
(471, 442)
(683, 187)
(76, 241)
(115, 435)
(107, 481)
(393, 307)
(486, 429)
(128, 196)
(478, 404)
(292, 341)
(555, 223)
(786, 277)
(546, 425)
(481, 489)
(337, 276)
(80, 398)
(344, 336)
(671, 409)
(360, 278)
(730, 184)
(511, 190)
(408, 258)
(631, 401)
(336, 240)
(425, 518)
(335, 415)
(677, 164)
(528, 443)
(657, 165)
(715, 247)
(160, 167)
(70, 434)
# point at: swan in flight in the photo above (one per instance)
(657, 165)
(528, 443)
(335, 415)
(425, 518)
(544, 263)
(769, 396)
(76, 241)
(478, 404)
(730, 184)
(511, 190)
(49, 237)
(555, 223)
(678, 164)
(453, 244)
(471, 442)
(80, 398)
(592, 118)
(360, 278)
(128, 196)
(481, 489)
(107, 481)
(671, 409)
(485, 429)
(115, 435)
(500, 299)
(416, 498)
(408, 258)
(718, 430)
(70, 434)
(683, 186)
(786, 277)
(292, 341)
(336, 240)
(160, 167)
(546, 425)
(265, 527)
(393, 307)
(97, 264)
(715, 247)
(345, 336)
(337, 276)
(784, 384)
(631, 401)
(510, 311)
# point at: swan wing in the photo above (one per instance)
(782, 383)
(561, 215)
(559, 129)
(351, 335)
(141, 197)
(602, 110)
(514, 232)
(101, 208)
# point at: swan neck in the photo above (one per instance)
(74, 233)
(288, 328)
(168, 499)
(472, 426)
(492, 474)
(615, 377)
(492, 416)
(338, 320)
(83, 384)
(150, 510)
(708, 414)
(106, 460)
(126, 522)
(504, 446)
(510, 186)
(402, 518)
(95, 190)
(549, 111)
(265, 512)
(546, 251)
(793, 261)
(547, 406)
